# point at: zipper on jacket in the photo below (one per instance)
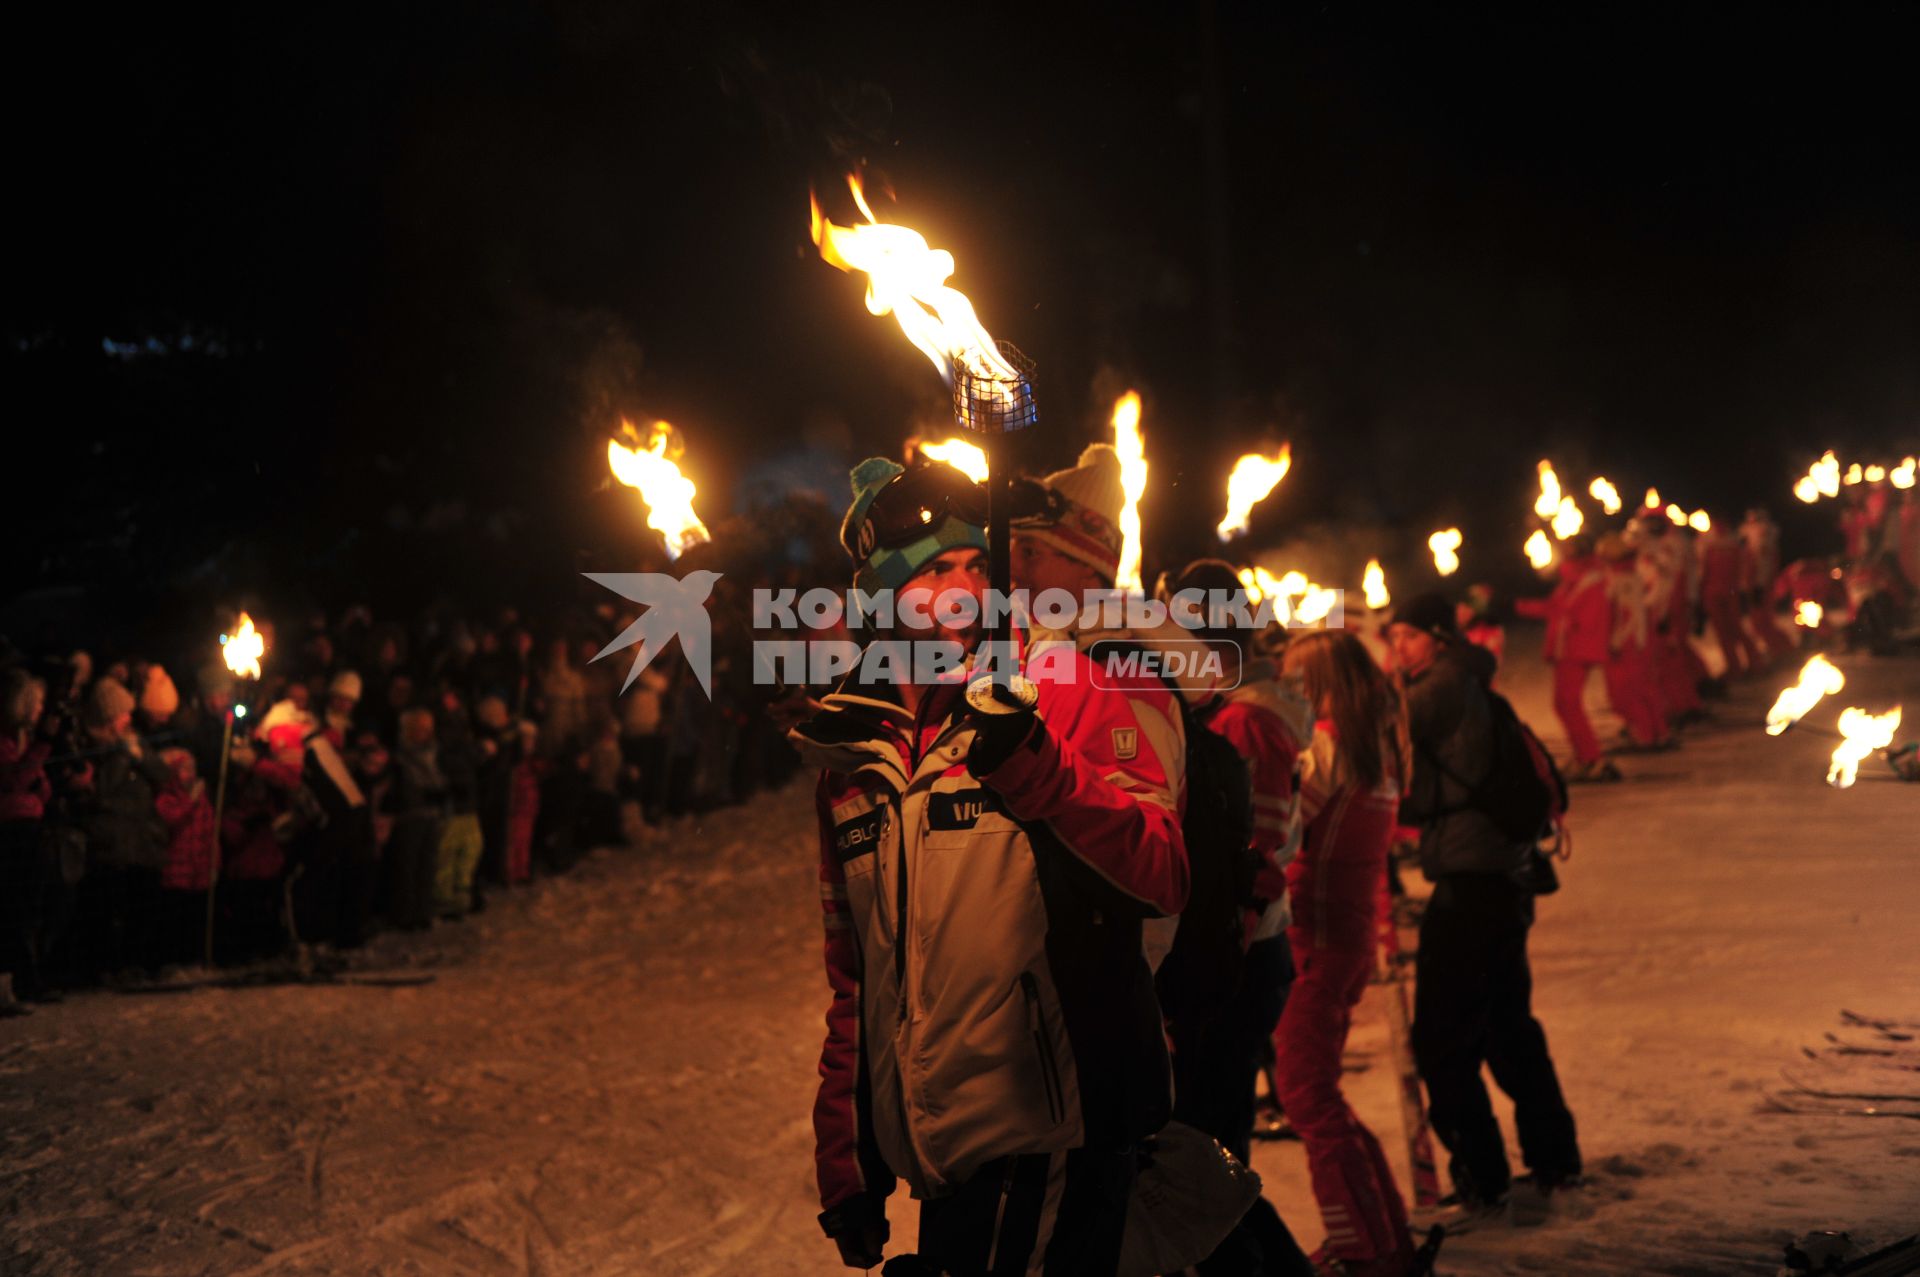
(900, 927)
(1049, 1071)
(1000, 1212)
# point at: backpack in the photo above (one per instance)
(1523, 792)
(1202, 969)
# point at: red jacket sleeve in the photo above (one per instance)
(1272, 755)
(1092, 775)
(844, 1159)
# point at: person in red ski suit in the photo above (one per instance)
(182, 804)
(1662, 572)
(1762, 538)
(1579, 620)
(1816, 581)
(1629, 668)
(1725, 568)
(993, 1037)
(1351, 778)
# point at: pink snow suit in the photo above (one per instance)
(1336, 889)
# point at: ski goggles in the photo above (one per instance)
(1034, 502)
(912, 506)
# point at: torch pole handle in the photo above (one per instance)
(1000, 546)
(219, 808)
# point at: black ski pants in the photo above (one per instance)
(1473, 1005)
(1062, 1214)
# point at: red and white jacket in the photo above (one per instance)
(1270, 722)
(983, 934)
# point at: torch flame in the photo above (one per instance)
(1548, 502)
(1444, 545)
(1606, 494)
(1826, 474)
(1864, 734)
(1374, 585)
(1259, 584)
(908, 280)
(961, 455)
(1903, 474)
(1853, 474)
(1875, 474)
(668, 493)
(243, 649)
(1539, 550)
(1296, 600)
(1807, 488)
(1699, 521)
(1818, 678)
(1676, 516)
(1253, 477)
(1567, 519)
(1132, 447)
(1809, 614)
(1652, 500)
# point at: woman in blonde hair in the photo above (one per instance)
(1351, 779)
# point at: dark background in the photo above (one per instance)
(350, 298)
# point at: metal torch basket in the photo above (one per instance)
(994, 404)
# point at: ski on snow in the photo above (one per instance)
(1806, 1103)
(1863, 1084)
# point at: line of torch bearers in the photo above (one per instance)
(907, 278)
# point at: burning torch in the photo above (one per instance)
(241, 651)
(992, 387)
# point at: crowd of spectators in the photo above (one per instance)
(381, 775)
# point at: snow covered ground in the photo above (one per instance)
(612, 1072)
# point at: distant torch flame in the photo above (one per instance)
(1606, 494)
(1258, 583)
(1444, 545)
(1825, 474)
(1296, 600)
(1807, 488)
(1132, 447)
(1652, 500)
(1315, 605)
(1567, 519)
(1875, 474)
(1809, 614)
(1539, 549)
(1676, 515)
(1374, 585)
(243, 649)
(1547, 504)
(961, 455)
(1854, 475)
(1818, 678)
(1864, 734)
(1699, 521)
(1253, 477)
(668, 493)
(908, 280)
(1903, 474)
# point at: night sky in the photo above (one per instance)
(385, 276)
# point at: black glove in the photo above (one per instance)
(997, 735)
(859, 1228)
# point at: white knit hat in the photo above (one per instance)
(1089, 529)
